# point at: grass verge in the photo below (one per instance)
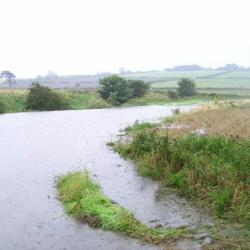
(214, 170)
(83, 199)
(212, 167)
(15, 100)
(12, 101)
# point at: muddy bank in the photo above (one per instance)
(36, 147)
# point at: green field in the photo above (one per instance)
(207, 81)
(236, 74)
(170, 74)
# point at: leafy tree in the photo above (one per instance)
(186, 87)
(9, 76)
(43, 98)
(139, 88)
(115, 90)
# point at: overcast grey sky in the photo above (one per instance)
(89, 36)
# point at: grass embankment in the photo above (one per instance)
(84, 100)
(161, 98)
(83, 199)
(213, 168)
(12, 101)
(15, 100)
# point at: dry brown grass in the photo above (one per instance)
(216, 120)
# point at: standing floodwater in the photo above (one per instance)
(37, 147)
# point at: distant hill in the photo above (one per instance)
(187, 67)
(221, 81)
(227, 67)
(55, 81)
(228, 76)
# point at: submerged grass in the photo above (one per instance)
(230, 119)
(83, 199)
(139, 126)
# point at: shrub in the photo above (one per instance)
(115, 90)
(175, 111)
(173, 94)
(42, 98)
(186, 87)
(2, 107)
(139, 88)
(213, 95)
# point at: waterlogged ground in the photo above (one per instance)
(37, 147)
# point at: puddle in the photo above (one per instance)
(37, 147)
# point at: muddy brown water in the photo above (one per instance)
(36, 147)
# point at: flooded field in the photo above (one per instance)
(37, 147)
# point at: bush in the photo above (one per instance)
(173, 94)
(213, 95)
(115, 90)
(2, 107)
(186, 87)
(43, 98)
(139, 88)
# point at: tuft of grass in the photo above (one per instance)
(137, 126)
(83, 199)
(221, 199)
